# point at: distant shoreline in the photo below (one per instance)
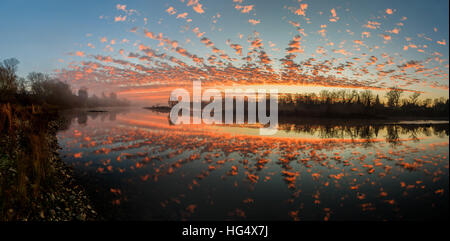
(290, 117)
(162, 109)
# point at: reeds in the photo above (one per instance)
(6, 116)
(25, 152)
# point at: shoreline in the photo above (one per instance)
(79, 206)
(299, 117)
(49, 192)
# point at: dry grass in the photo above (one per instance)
(24, 157)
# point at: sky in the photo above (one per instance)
(143, 49)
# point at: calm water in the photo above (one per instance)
(136, 166)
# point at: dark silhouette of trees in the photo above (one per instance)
(40, 88)
(414, 98)
(8, 78)
(345, 103)
(393, 97)
(83, 96)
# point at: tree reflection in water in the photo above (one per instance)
(138, 166)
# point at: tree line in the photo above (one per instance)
(40, 88)
(364, 103)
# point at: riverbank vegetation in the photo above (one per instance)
(359, 104)
(34, 182)
(395, 104)
(42, 89)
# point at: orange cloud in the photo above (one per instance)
(441, 42)
(121, 7)
(365, 34)
(182, 15)
(302, 9)
(196, 6)
(334, 16)
(253, 21)
(244, 9)
(170, 64)
(120, 18)
(171, 11)
(372, 25)
(394, 31)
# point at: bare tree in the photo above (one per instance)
(414, 98)
(8, 77)
(393, 97)
(427, 102)
(367, 97)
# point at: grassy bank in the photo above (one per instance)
(34, 182)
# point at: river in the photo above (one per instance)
(135, 165)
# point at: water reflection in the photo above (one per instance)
(140, 167)
(81, 115)
(368, 132)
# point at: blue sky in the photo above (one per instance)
(42, 34)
